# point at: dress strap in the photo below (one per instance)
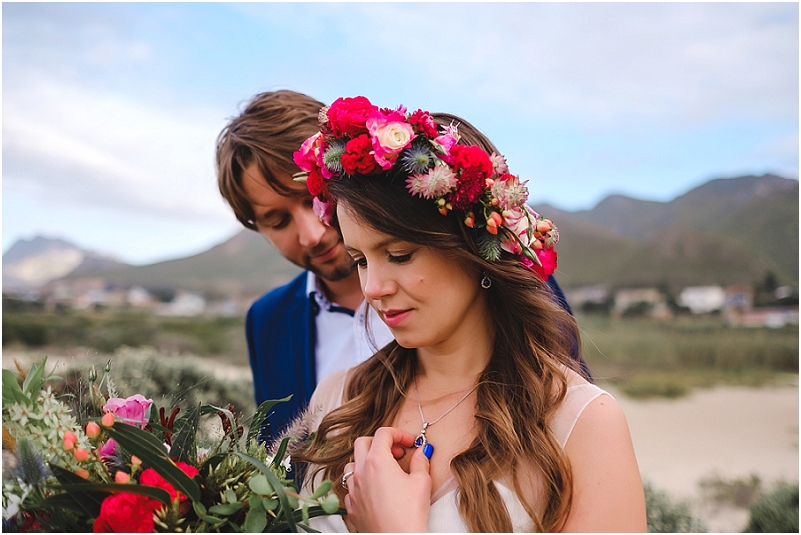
(576, 400)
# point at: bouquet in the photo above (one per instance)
(127, 466)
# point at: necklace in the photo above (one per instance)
(421, 439)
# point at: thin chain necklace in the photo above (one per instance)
(421, 439)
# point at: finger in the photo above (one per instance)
(420, 460)
(361, 446)
(398, 451)
(385, 437)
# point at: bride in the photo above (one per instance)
(475, 418)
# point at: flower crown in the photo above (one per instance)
(357, 137)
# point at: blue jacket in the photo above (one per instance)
(280, 330)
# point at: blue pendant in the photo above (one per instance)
(420, 440)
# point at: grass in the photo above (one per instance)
(645, 357)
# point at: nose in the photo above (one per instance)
(376, 283)
(310, 228)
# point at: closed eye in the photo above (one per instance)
(400, 259)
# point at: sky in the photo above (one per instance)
(111, 111)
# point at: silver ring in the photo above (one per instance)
(344, 479)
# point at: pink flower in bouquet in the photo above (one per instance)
(423, 123)
(306, 157)
(347, 116)
(548, 260)
(133, 410)
(390, 134)
(510, 192)
(448, 138)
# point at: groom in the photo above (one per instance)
(314, 325)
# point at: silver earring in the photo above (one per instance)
(486, 282)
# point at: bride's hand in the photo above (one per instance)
(381, 496)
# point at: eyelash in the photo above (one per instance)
(399, 259)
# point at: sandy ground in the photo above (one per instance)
(730, 432)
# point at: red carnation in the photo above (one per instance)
(470, 159)
(548, 259)
(347, 116)
(154, 479)
(423, 123)
(316, 183)
(358, 157)
(468, 191)
(126, 513)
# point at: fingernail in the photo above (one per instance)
(428, 450)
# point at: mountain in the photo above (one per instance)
(31, 263)
(244, 264)
(724, 231)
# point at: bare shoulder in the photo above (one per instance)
(607, 487)
(328, 393)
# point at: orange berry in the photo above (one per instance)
(537, 244)
(443, 210)
(468, 222)
(122, 477)
(544, 226)
(136, 460)
(108, 419)
(69, 435)
(496, 218)
(80, 454)
(84, 473)
(92, 430)
(492, 229)
(490, 182)
(68, 444)
(495, 202)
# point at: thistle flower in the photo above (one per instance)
(417, 159)
(510, 192)
(32, 468)
(332, 157)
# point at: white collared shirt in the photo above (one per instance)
(342, 339)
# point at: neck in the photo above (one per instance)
(345, 292)
(457, 368)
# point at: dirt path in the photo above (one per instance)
(731, 432)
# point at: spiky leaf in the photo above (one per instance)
(489, 245)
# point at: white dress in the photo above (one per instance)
(444, 516)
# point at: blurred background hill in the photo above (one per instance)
(727, 231)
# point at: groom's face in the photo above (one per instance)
(291, 225)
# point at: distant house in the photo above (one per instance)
(184, 304)
(650, 300)
(138, 297)
(773, 317)
(587, 294)
(702, 299)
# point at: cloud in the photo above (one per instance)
(68, 144)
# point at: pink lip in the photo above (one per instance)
(393, 318)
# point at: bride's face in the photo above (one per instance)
(426, 298)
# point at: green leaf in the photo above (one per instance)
(184, 443)
(145, 490)
(214, 520)
(305, 512)
(151, 451)
(270, 504)
(200, 509)
(230, 496)
(331, 504)
(489, 245)
(279, 489)
(87, 502)
(256, 519)
(225, 508)
(322, 490)
(279, 454)
(261, 413)
(12, 393)
(260, 485)
(314, 511)
(33, 382)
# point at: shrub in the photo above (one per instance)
(776, 512)
(667, 516)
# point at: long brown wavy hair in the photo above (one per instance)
(519, 390)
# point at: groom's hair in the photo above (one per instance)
(271, 128)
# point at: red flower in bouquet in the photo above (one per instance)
(154, 479)
(548, 259)
(422, 122)
(358, 159)
(316, 183)
(126, 513)
(347, 116)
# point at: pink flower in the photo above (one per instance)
(347, 116)
(499, 164)
(547, 258)
(517, 222)
(390, 134)
(448, 138)
(510, 192)
(439, 181)
(108, 448)
(306, 157)
(133, 410)
(324, 210)
(422, 122)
